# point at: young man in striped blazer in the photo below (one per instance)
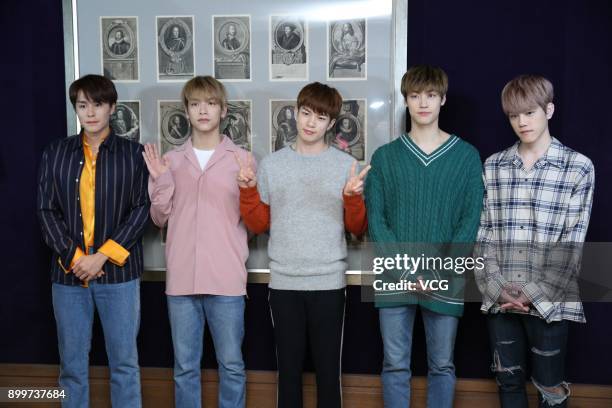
(93, 207)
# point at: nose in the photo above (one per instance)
(423, 101)
(90, 110)
(311, 121)
(522, 120)
(203, 108)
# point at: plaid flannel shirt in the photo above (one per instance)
(532, 228)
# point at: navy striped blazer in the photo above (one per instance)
(121, 204)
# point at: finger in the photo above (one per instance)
(363, 172)
(166, 161)
(238, 160)
(248, 161)
(354, 169)
(154, 151)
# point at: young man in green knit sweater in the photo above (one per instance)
(424, 191)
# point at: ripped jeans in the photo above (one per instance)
(512, 336)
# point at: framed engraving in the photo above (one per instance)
(119, 46)
(349, 131)
(288, 48)
(175, 48)
(347, 49)
(232, 48)
(283, 126)
(174, 126)
(126, 120)
(237, 123)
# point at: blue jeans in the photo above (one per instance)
(118, 306)
(225, 317)
(514, 338)
(396, 325)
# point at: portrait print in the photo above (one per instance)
(232, 48)
(174, 126)
(119, 45)
(349, 132)
(288, 49)
(346, 50)
(283, 126)
(126, 120)
(175, 48)
(237, 123)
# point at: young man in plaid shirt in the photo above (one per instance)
(537, 203)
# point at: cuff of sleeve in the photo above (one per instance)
(115, 252)
(162, 182)
(493, 290)
(538, 299)
(248, 193)
(352, 201)
(77, 254)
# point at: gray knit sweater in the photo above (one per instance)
(307, 247)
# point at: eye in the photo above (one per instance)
(530, 113)
(432, 95)
(97, 104)
(413, 96)
(193, 104)
(322, 118)
(512, 116)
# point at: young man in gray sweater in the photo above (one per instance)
(307, 194)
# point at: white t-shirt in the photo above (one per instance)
(203, 156)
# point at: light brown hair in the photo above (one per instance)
(207, 86)
(426, 78)
(526, 92)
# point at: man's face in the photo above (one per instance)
(119, 114)
(231, 30)
(345, 27)
(175, 32)
(345, 123)
(287, 30)
(205, 113)
(288, 114)
(312, 126)
(532, 124)
(176, 120)
(118, 35)
(424, 107)
(93, 116)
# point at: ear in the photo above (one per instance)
(550, 109)
(331, 124)
(443, 100)
(224, 112)
(113, 107)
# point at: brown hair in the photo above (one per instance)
(207, 86)
(526, 92)
(96, 88)
(321, 98)
(421, 78)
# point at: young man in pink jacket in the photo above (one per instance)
(193, 188)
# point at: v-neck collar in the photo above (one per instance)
(424, 158)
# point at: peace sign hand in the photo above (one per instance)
(246, 176)
(156, 164)
(354, 185)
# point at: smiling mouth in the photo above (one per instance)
(308, 132)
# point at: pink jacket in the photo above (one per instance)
(206, 244)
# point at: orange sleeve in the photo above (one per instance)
(115, 252)
(355, 218)
(255, 213)
(77, 254)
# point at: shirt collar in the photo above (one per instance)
(109, 141)
(555, 155)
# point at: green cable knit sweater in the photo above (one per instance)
(412, 197)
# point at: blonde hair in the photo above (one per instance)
(424, 78)
(204, 85)
(526, 92)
